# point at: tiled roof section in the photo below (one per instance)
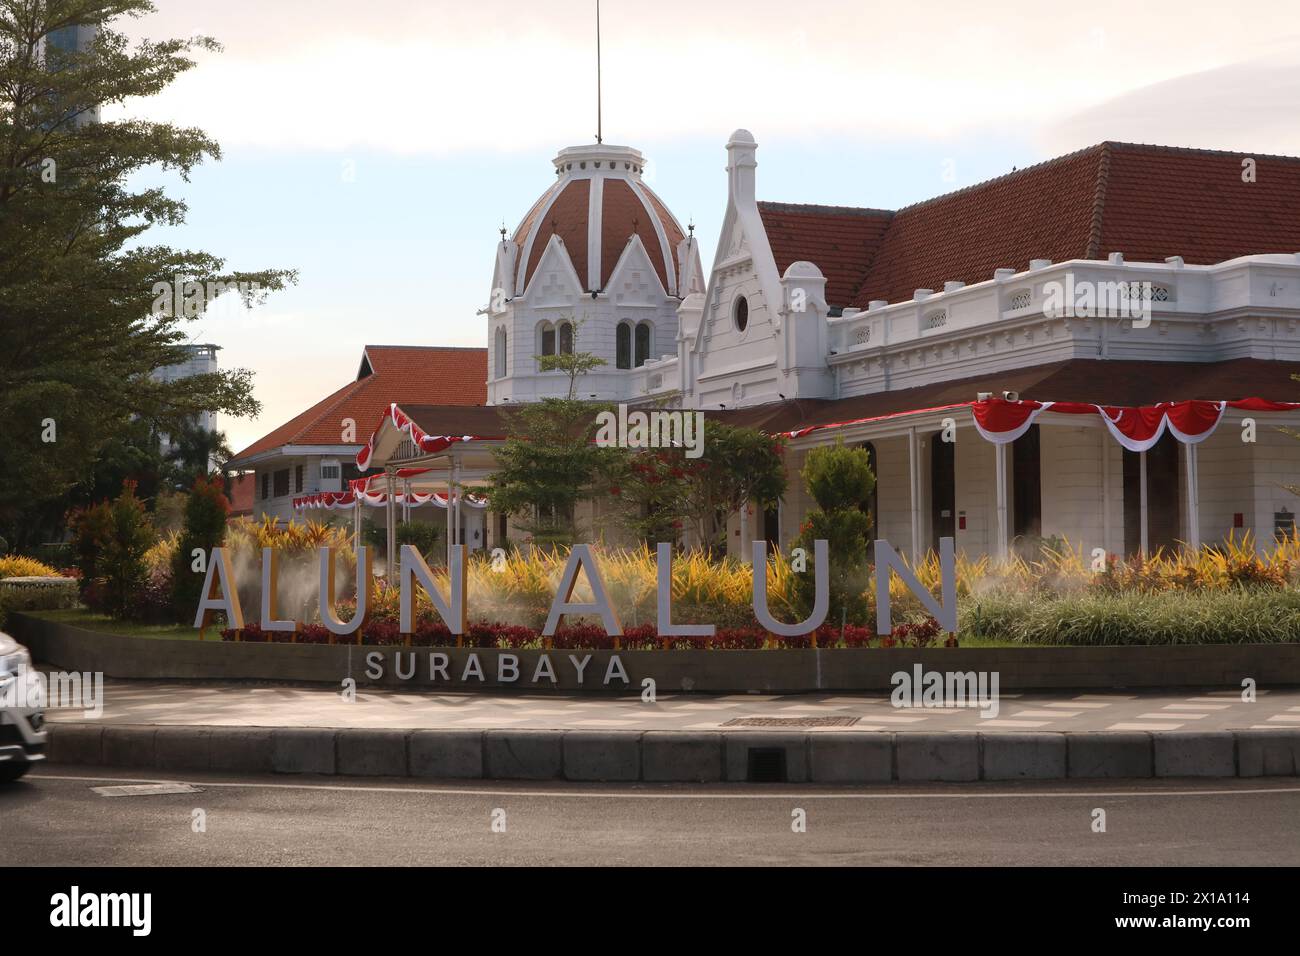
(1148, 202)
(404, 374)
(488, 421)
(839, 240)
(622, 214)
(1041, 212)
(567, 218)
(672, 229)
(1163, 201)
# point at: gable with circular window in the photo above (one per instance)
(740, 313)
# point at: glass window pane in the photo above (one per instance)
(623, 346)
(642, 343)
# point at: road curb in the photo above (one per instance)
(679, 756)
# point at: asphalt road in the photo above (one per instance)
(54, 817)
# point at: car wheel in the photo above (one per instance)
(12, 770)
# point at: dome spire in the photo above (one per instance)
(599, 138)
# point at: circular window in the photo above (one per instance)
(741, 313)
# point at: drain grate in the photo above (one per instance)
(791, 722)
(145, 789)
(766, 765)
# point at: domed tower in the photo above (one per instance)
(597, 265)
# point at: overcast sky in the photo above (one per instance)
(378, 146)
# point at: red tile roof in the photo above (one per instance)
(840, 240)
(418, 375)
(1148, 202)
(566, 218)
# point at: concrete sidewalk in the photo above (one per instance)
(238, 704)
(798, 739)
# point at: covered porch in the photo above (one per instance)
(424, 469)
(1004, 475)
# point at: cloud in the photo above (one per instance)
(1248, 106)
(438, 78)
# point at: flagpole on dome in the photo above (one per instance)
(598, 104)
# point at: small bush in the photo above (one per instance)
(1234, 616)
(16, 566)
(206, 510)
(840, 479)
(422, 535)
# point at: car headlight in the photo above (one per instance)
(20, 660)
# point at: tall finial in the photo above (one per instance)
(503, 230)
(598, 125)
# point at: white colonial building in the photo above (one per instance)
(934, 336)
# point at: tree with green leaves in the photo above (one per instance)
(195, 452)
(206, 511)
(663, 493)
(839, 478)
(85, 312)
(549, 463)
(738, 466)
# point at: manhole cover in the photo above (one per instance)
(791, 722)
(145, 789)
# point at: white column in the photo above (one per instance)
(1105, 492)
(460, 538)
(356, 521)
(390, 512)
(1142, 498)
(450, 479)
(914, 465)
(1000, 480)
(1193, 497)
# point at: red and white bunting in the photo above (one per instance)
(429, 444)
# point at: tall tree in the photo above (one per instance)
(549, 463)
(84, 317)
(739, 466)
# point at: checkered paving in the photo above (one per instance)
(246, 705)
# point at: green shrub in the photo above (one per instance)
(1230, 616)
(423, 536)
(121, 563)
(839, 479)
(91, 529)
(206, 510)
(32, 597)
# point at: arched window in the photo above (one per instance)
(642, 343)
(500, 350)
(623, 345)
(566, 338)
(547, 344)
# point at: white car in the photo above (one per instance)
(22, 719)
